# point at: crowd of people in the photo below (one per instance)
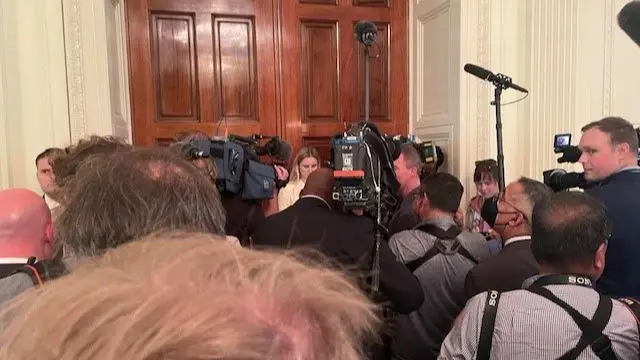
(134, 253)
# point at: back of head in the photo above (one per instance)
(50, 154)
(194, 297)
(620, 131)
(567, 229)
(65, 166)
(119, 197)
(25, 224)
(444, 192)
(412, 157)
(320, 183)
(533, 192)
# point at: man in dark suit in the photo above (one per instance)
(347, 238)
(515, 263)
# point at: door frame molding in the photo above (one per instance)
(87, 58)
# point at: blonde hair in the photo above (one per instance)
(305, 152)
(191, 296)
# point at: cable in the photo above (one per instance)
(512, 102)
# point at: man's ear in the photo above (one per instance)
(517, 220)
(425, 205)
(621, 149)
(599, 259)
(48, 241)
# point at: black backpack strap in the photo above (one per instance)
(464, 252)
(32, 269)
(415, 264)
(592, 330)
(42, 271)
(450, 234)
(488, 323)
(437, 232)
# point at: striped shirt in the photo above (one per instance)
(529, 326)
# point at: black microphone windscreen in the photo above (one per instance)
(478, 71)
(366, 32)
(629, 20)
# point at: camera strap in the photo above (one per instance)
(591, 329)
(439, 247)
(488, 323)
(33, 269)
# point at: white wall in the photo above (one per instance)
(33, 92)
(571, 55)
(63, 76)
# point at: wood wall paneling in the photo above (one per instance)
(384, 3)
(287, 68)
(201, 65)
(174, 66)
(319, 44)
(321, 2)
(235, 68)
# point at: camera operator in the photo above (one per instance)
(609, 158)
(408, 167)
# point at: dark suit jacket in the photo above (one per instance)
(243, 216)
(349, 239)
(503, 272)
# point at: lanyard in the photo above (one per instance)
(563, 280)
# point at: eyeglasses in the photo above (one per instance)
(501, 199)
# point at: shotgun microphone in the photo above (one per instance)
(498, 79)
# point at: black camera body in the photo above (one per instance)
(362, 162)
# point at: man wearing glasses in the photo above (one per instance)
(558, 314)
(515, 263)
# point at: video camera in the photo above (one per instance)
(237, 162)
(362, 159)
(560, 179)
(431, 154)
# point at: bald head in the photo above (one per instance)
(25, 224)
(319, 183)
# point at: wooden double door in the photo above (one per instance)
(291, 68)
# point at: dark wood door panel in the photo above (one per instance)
(290, 68)
(201, 65)
(324, 92)
(174, 68)
(236, 7)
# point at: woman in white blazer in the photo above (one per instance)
(307, 160)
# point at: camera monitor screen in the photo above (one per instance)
(561, 140)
